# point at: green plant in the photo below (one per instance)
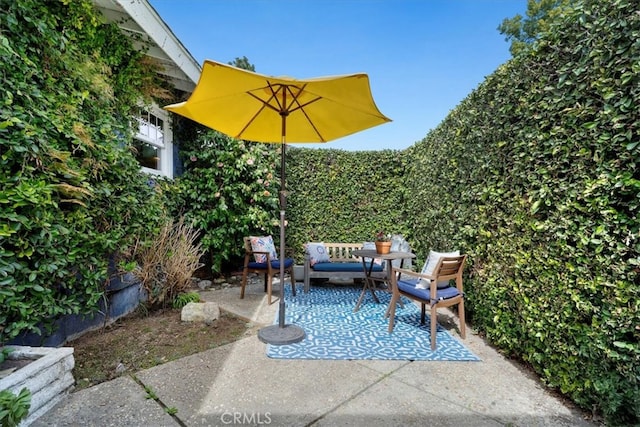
(150, 393)
(71, 192)
(127, 265)
(381, 236)
(14, 408)
(185, 298)
(229, 190)
(4, 353)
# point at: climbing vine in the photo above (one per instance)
(71, 192)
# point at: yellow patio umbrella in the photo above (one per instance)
(256, 107)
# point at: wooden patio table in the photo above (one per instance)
(370, 279)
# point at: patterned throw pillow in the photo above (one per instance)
(430, 265)
(263, 244)
(317, 252)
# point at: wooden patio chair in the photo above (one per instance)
(269, 268)
(438, 292)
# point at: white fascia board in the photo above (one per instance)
(157, 30)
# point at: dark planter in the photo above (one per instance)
(122, 296)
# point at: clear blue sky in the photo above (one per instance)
(423, 57)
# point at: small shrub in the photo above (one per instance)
(167, 261)
(185, 298)
(14, 408)
(4, 353)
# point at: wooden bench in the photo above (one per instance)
(343, 264)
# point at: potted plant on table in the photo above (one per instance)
(383, 243)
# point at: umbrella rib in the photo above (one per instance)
(281, 107)
(250, 121)
(313, 124)
(267, 103)
(301, 108)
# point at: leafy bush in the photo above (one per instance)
(71, 192)
(229, 190)
(14, 408)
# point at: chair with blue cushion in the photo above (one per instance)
(269, 268)
(439, 291)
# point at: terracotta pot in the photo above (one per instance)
(383, 247)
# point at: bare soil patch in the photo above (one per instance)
(143, 340)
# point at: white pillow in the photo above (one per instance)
(399, 244)
(317, 252)
(263, 244)
(430, 265)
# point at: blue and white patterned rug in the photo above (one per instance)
(334, 331)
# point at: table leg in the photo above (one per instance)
(367, 285)
(372, 283)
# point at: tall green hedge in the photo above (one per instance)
(71, 192)
(341, 196)
(536, 175)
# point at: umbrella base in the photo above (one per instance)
(276, 335)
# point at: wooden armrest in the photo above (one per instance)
(268, 254)
(412, 273)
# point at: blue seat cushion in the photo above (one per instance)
(344, 266)
(409, 287)
(275, 264)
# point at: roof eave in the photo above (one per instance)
(139, 17)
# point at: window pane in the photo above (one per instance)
(147, 155)
(150, 128)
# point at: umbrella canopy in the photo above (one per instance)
(256, 107)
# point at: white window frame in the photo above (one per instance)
(165, 148)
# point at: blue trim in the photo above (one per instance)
(345, 266)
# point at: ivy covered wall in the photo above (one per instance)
(71, 193)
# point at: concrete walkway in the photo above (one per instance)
(238, 385)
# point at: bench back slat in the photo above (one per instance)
(341, 252)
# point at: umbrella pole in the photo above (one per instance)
(281, 334)
(283, 209)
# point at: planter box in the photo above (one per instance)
(123, 295)
(48, 377)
